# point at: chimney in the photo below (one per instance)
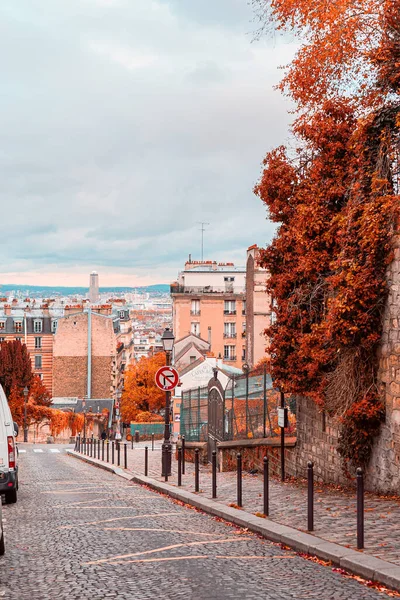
(190, 258)
(214, 266)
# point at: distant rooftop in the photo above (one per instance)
(207, 266)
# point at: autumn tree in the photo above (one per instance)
(336, 204)
(15, 366)
(141, 395)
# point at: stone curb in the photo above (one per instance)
(355, 562)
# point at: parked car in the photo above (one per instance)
(8, 453)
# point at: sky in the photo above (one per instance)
(125, 123)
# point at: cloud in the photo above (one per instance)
(122, 125)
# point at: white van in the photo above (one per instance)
(8, 453)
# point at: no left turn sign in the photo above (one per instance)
(167, 378)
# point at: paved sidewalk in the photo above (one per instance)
(334, 507)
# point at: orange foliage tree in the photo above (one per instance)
(336, 202)
(141, 395)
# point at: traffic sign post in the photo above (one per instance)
(167, 378)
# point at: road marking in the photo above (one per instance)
(168, 514)
(120, 558)
(54, 450)
(21, 451)
(37, 450)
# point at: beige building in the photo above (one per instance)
(220, 302)
(87, 354)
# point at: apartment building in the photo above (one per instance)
(35, 327)
(209, 302)
(225, 305)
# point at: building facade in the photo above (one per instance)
(87, 354)
(226, 306)
(34, 327)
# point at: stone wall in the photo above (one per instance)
(317, 438)
(383, 471)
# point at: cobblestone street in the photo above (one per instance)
(79, 532)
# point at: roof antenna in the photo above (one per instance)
(203, 229)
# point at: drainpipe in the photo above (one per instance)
(89, 355)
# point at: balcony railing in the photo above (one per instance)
(230, 335)
(207, 289)
(195, 313)
(230, 358)
(229, 312)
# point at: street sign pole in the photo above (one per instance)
(167, 378)
(166, 447)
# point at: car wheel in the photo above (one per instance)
(2, 545)
(11, 497)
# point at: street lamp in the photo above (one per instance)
(26, 392)
(167, 339)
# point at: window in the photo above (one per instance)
(229, 330)
(244, 307)
(122, 314)
(2, 325)
(244, 329)
(37, 326)
(195, 328)
(229, 353)
(54, 324)
(229, 279)
(18, 339)
(195, 307)
(230, 307)
(38, 361)
(40, 375)
(2, 339)
(38, 342)
(18, 326)
(243, 354)
(192, 359)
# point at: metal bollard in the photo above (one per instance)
(214, 473)
(266, 486)
(183, 455)
(310, 502)
(125, 456)
(131, 442)
(98, 449)
(102, 450)
(112, 451)
(108, 451)
(166, 464)
(118, 453)
(239, 479)
(152, 441)
(137, 437)
(179, 467)
(196, 470)
(91, 448)
(360, 509)
(146, 461)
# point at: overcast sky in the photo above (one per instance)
(123, 124)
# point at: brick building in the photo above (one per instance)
(34, 327)
(87, 353)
